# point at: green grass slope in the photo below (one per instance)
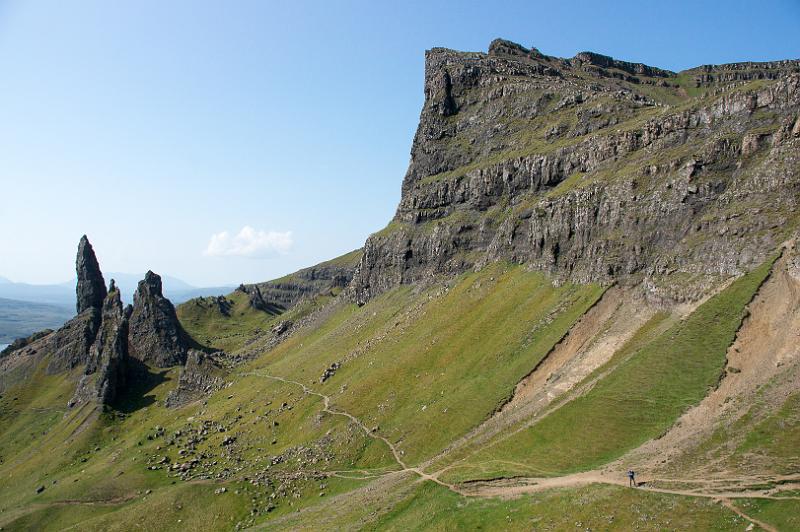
(641, 398)
(203, 320)
(398, 353)
(425, 368)
(418, 368)
(416, 506)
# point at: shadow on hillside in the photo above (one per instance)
(141, 380)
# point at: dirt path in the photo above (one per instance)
(520, 486)
(371, 434)
(765, 350)
(591, 343)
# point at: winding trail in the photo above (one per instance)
(731, 488)
(730, 506)
(371, 434)
(519, 486)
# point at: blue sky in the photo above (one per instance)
(222, 142)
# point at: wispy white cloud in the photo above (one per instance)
(249, 242)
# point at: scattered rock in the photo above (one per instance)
(329, 372)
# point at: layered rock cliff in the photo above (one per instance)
(594, 169)
(286, 292)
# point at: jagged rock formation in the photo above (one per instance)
(156, 336)
(105, 372)
(594, 169)
(91, 288)
(201, 375)
(71, 344)
(104, 336)
(286, 292)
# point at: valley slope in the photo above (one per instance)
(593, 268)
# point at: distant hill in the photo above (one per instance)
(63, 294)
(19, 319)
(27, 308)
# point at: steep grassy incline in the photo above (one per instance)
(640, 399)
(472, 340)
(424, 369)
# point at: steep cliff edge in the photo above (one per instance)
(284, 293)
(594, 170)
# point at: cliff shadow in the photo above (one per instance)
(141, 380)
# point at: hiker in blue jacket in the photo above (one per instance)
(631, 478)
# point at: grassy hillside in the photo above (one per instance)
(639, 399)
(224, 322)
(502, 315)
(425, 368)
(432, 507)
(417, 369)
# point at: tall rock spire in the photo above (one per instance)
(91, 289)
(105, 371)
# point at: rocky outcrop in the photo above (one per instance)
(155, 334)
(105, 372)
(103, 337)
(70, 345)
(91, 288)
(201, 376)
(19, 343)
(572, 167)
(284, 293)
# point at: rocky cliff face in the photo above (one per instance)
(156, 336)
(201, 375)
(105, 372)
(286, 292)
(594, 169)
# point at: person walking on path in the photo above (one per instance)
(631, 478)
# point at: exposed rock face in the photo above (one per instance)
(102, 337)
(201, 375)
(91, 288)
(594, 170)
(286, 292)
(69, 346)
(156, 336)
(105, 372)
